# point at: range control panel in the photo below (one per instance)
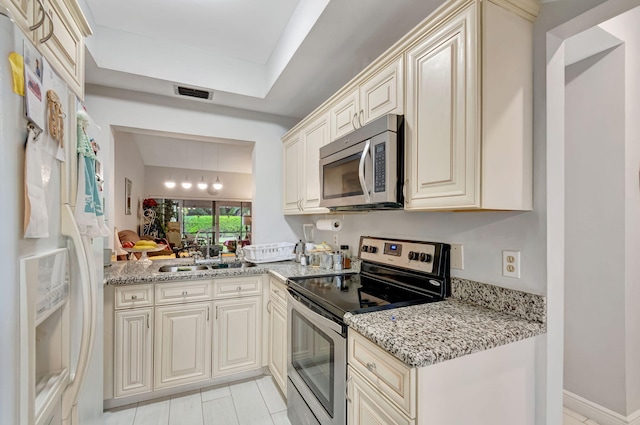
(413, 255)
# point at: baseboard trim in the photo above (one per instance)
(600, 414)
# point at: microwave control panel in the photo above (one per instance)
(379, 167)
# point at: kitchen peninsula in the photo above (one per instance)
(480, 333)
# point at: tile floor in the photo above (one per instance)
(254, 402)
(572, 418)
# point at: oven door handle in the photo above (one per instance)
(313, 316)
(363, 182)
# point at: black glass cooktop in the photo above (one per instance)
(357, 293)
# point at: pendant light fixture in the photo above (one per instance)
(202, 185)
(217, 185)
(170, 183)
(186, 183)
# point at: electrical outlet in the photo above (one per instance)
(511, 264)
(457, 256)
(335, 240)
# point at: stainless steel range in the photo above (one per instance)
(394, 273)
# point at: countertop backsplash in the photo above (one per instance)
(521, 304)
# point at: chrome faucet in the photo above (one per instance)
(207, 254)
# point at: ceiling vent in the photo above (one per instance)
(191, 92)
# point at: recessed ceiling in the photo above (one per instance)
(281, 57)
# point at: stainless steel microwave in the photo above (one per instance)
(364, 170)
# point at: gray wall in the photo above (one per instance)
(595, 227)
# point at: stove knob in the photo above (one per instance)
(413, 255)
(373, 249)
(424, 257)
(365, 248)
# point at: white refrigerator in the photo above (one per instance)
(23, 354)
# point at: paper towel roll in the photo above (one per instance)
(332, 225)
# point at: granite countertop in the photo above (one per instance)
(477, 317)
(425, 334)
(134, 272)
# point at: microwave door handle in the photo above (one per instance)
(363, 182)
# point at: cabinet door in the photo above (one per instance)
(292, 165)
(278, 343)
(314, 137)
(22, 12)
(366, 406)
(344, 114)
(443, 153)
(383, 93)
(182, 344)
(237, 335)
(133, 339)
(65, 47)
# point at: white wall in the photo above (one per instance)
(595, 230)
(128, 164)
(117, 108)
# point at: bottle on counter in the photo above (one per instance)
(346, 256)
(337, 261)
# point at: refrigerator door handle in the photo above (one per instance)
(82, 245)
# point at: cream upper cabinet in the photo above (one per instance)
(468, 123)
(380, 93)
(314, 136)
(22, 12)
(57, 28)
(301, 158)
(292, 160)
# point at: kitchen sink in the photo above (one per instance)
(197, 267)
(186, 268)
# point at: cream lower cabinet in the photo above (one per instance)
(366, 406)
(277, 310)
(469, 124)
(490, 387)
(133, 361)
(237, 335)
(183, 344)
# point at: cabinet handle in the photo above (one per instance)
(361, 121)
(347, 388)
(41, 21)
(134, 297)
(239, 288)
(207, 313)
(48, 36)
(269, 306)
(352, 121)
(216, 312)
(147, 320)
(404, 191)
(371, 367)
(184, 293)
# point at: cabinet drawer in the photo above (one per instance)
(133, 296)
(178, 292)
(237, 286)
(368, 406)
(391, 376)
(278, 292)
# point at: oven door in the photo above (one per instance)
(317, 365)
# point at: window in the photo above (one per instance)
(212, 222)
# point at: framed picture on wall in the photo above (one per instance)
(127, 196)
